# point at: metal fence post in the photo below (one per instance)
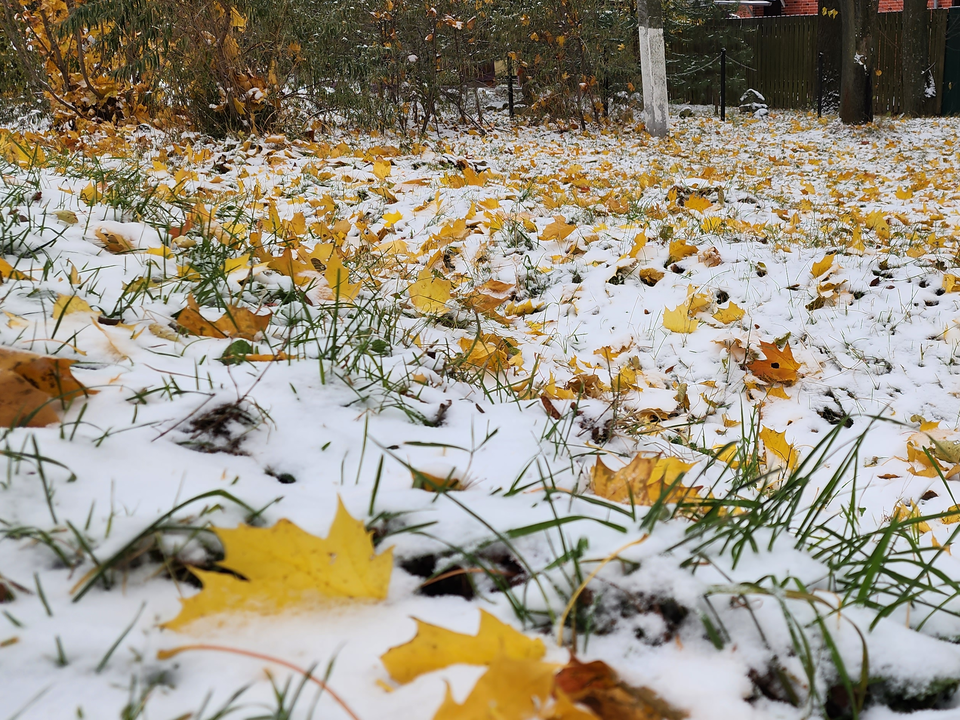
(819, 85)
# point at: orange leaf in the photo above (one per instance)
(597, 686)
(777, 366)
(236, 322)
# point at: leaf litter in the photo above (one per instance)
(628, 324)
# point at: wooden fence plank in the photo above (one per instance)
(784, 66)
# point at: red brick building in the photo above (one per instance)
(766, 8)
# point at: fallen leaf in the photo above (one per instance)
(287, 568)
(113, 242)
(731, 313)
(820, 267)
(643, 480)
(28, 382)
(776, 443)
(509, 690)
(597, 686)
(710, 257)
(558, 230)
(8, 271)
(236, 322)
(338, 278)
(698, 203)
(21, 404)
(67, 304)
(650, 276)
(777, 366)
(679, 249)
(68, 217)
(678, 320)
(429, 294)
(435, 647)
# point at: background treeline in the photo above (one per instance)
(261, 65)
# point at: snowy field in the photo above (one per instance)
(687, 406)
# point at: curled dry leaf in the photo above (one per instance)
(114, 242)
(710, 257)
(288, 568)
(236, 322)
(435, 647)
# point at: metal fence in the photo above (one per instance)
(786, 66)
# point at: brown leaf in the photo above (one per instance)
(21, 404)
(777, 366)
(50, 376)
(237, 322)
(596, 685)
(113, 242)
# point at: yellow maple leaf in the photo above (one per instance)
(678, 320)
(288, 568)
(878, 223)
(644, 480)
(698, 203)
(482, 353)
(429, 294)
(951, 283)
(776, 443)
(338, 278)
(679, 249)
(650, 276)
(8, 271)
(509, 690)
(67, 304)
(731, 313)
(435, 647)
(382, 168)
(392, 218)
(821, 266)
(558, 230)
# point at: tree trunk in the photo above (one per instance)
(828, 50)
(653, 67)
(859, 29)
(913, 56)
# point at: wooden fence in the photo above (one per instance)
(784, 63)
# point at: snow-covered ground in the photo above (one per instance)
(519, 305)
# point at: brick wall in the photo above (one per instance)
(809, 7)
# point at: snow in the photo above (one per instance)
(882, 347)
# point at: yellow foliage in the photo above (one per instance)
(678, 320)
(729, 314)
(435, 647)
(777, 444)
(287, 568)
(679, 249)
(643, 480)
(430, 294)
(821, 266)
